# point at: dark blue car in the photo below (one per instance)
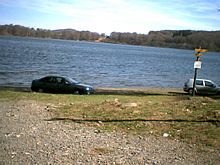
(60, 84)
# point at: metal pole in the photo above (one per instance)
(194, 81)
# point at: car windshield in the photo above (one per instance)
(72, 80)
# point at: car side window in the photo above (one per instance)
(59, 80)
(46, 79)
(209, 84)
(52, 80)
(199, 82)
(64, 81)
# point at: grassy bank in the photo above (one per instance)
(191, 119)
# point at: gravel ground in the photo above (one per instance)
(27, 136)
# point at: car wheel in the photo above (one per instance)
(33, 89)
(76, 92)
(190, 91)
(40, 90)
(81, 92)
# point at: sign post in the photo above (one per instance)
(197, 65)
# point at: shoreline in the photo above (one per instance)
(114, 90)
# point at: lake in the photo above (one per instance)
(100, 64)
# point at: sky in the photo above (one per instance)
(106, 16)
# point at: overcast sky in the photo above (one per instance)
(106, 16)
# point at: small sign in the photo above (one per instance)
(201, 50)
(198, 64)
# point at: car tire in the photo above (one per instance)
(34, 89)
(81, 92)
(40, 90)
(190, 91)
(76, 92)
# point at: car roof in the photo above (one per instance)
(55, 76)
(201, 79)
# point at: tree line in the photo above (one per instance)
(68, 34)
(185, 39)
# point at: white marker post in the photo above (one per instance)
(197, 65)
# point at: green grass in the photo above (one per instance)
(115, 113)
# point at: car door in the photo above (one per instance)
(61, 85)
(199, 86)
(64, 86)
(210, 88)
(51, 85)
(45, 84)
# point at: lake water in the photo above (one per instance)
(100, 64)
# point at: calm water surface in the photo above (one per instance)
(100, 64)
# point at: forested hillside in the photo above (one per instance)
(185, 39)
(68, 34)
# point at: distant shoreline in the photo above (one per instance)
(180, 39)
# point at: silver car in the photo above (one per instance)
(203, 86)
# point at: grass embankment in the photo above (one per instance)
(191, 119)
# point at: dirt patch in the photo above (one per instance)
(28, 137)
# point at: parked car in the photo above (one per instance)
(59, 84)
(202, 86)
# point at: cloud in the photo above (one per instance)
(125, 15)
